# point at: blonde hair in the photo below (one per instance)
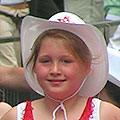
(72, 42)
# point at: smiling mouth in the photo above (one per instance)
(56, 80)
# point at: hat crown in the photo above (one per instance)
(66, 17)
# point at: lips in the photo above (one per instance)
(56, 80)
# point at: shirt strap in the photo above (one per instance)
(24, 111)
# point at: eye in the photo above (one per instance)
(45, 61)
(66, 61)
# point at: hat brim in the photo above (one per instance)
(32, 27)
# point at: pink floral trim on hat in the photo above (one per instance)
(66, 19)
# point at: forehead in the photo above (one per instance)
(57, 46)
(58, 42)
(53, 42)
(54, 47)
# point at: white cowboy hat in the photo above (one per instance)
(32, 27)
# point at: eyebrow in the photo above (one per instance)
(66, 55)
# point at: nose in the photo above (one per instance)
(55, 70)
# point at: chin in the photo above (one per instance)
(59, 96)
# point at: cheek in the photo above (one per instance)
(75, 74)
(41, 72)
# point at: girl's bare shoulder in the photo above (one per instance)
(109, 111)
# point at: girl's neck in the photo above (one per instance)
(69, 104)
(74, 108)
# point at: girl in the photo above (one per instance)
(67, 63)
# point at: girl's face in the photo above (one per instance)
(58, 72)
